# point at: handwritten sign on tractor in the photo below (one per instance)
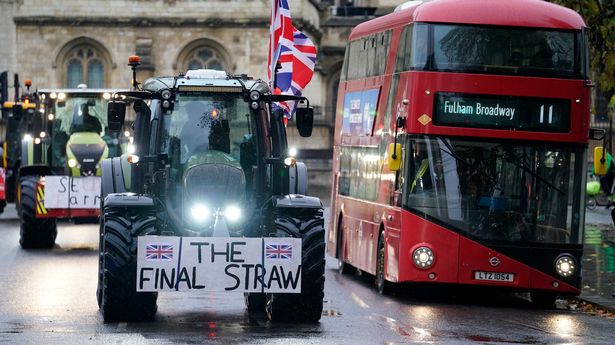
(72, 192)
(168, 263)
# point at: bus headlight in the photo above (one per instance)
(232, 213)
(423, 257)
(199, 213)
(565, 265)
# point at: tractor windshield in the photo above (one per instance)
(203, 123)
(81, 114)
(74, 114)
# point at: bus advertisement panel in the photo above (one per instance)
(460, 147)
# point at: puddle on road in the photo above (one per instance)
(331, 312)
(599, 260)
(483, 339)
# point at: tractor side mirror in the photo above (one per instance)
(116, 112)
(305, 120)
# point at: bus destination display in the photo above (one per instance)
(502, 112)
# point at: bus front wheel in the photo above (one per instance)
(382, 286)
(342, 266)
(543, 299)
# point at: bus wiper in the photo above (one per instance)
(521, 164)
(451, 153)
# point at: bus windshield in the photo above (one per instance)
(493, 50)
(497, 191)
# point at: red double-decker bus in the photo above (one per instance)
(460, 147)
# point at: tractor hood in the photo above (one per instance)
(213, 178)
(88, 149)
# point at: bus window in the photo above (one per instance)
(477, 49)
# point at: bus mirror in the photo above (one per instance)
(599, 161)
(394, 157)
(305, 121)
(596, 134)
(116, 112)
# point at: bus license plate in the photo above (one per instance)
(494, 276)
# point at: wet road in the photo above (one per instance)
(48, 297)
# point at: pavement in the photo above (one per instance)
(598, 268)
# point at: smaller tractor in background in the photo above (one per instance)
(61, 156)
(17, 118)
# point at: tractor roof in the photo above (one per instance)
(195, 80)
(81, 91)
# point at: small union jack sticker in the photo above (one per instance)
(283, 251)
(159, 252)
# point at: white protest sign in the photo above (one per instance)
(72, 192)
(232, 264)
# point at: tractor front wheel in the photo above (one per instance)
(119, 300)
(33, 232)
(306, 306)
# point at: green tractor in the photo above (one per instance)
(61, 157)
(210, 201)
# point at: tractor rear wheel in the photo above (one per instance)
(33, 232)
(119, 300)
(306, 306)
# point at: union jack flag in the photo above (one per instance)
(159, 252)
(282, 251)
(295, 53)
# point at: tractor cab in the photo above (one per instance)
(64, 144)
(74, 136)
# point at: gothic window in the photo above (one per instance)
(204, 57)
(84, 65)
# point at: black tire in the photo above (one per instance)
(119, 300)
(255, 302)
(382, 286)
(33, 232)
(543, 299)
(342, 266)
(305, 306)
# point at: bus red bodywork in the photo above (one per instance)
(356, 224)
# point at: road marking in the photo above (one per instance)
(359, 301)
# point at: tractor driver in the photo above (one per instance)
(205, 129)
(83, 121)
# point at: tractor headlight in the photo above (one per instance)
(423, 257)
(565, 265)
(72, 162)
(131, 148)
(27, 137)
(232, 213)
(199, 213)
(254, 105)
(166, 94)
(255, 95)
(290, 161)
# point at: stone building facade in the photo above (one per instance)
(61, 43)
